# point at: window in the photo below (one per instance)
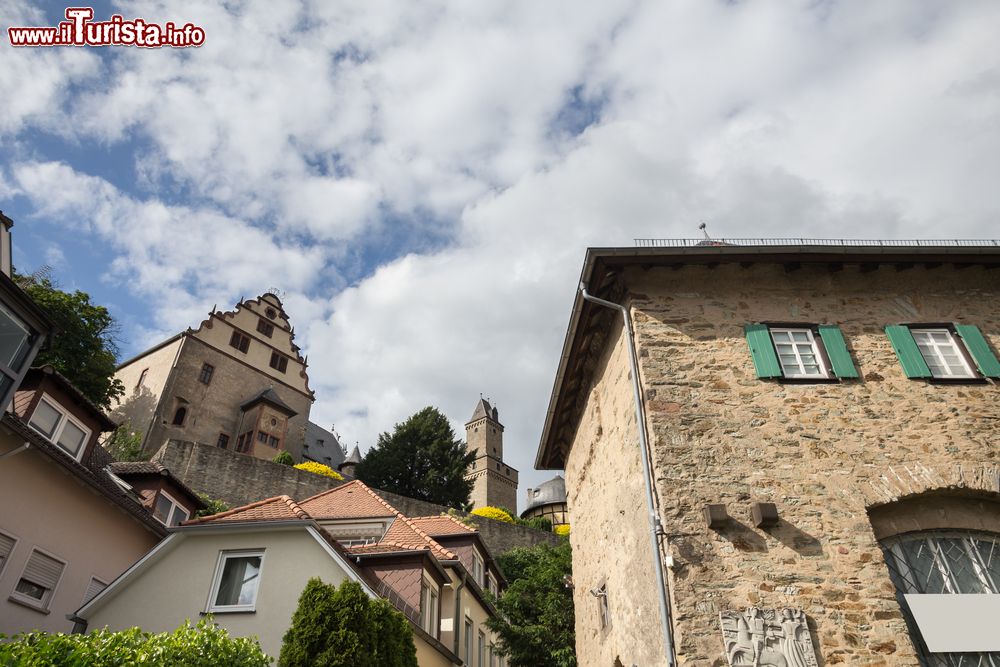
(477, 568)
(491, 584)
(168, 511)
(265, 327)
(40, 577)
(429, 608)
(142, 378)
(52, 421)
(93, 590)
(943, 351)
(799, 352)
(17, 343)
(179, 415)
(279, 362)
(237, 579)
(602, 602)
(262, 437)
(6, 548)
(482, 649)
(943, 562)
(240, 341)
(223, 440)
(272, 441)
(205, 377)
(468, 640)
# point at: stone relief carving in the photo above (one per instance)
(767, 637)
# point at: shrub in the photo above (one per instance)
(319, 469)
(124, 443)
(284, 458)
(202, 645)
(493, 513)
(562, 530)
(536, 522)
(214, 506)
(343, 627)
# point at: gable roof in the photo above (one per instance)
(135, 468)
(442, 524)
(49, 371)
(278, 508)
(268, 396)
(353, 500)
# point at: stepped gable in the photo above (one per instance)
(278, 508)
(443, 524)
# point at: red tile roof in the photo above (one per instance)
(443, 524)
(353, 500)
(279, 508)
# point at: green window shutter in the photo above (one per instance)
(906, 349)
(836, 349)
(765, 359)
(980, 350)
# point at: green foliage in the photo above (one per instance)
(124, 443)
(214, 506)
(203, 645)
(84, 347)
(536, 622)
(421, 459)
(284, 458)
(536, 522)
(319, 469)
(343, 627)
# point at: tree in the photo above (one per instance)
(83, 348)
(124, 443)
(421, 459)
(202, 645)
(536, 619)
(284, 458)
(342, 626)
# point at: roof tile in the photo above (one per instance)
(278, 508)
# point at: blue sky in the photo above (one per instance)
(420, 180)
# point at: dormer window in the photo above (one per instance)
(168, 511)
(59, 427)
(477, 568)
(17, 347)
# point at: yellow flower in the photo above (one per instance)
(493, 513)
(562, 529)
(319, 469)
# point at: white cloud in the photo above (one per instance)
(304, 137)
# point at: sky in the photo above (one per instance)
(420, 181)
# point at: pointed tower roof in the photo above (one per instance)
(268, 396)
(354, 456)
(484, 410)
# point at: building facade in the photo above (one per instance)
(238, 381)
(494, 482)
(821, 431)
(548, 501)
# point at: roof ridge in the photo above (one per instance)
(328, 491)
(294, 507)
(242, 508)
(444, 515)
(431, 540)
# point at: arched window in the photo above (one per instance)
(944, 546)
(179, 416)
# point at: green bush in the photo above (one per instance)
(202, 645)
(343, 627)
(214, 506)
(284, 458)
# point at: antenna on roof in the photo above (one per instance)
(704, 230)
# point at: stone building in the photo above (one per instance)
(494, 482)
(820, 426)
(548, 500)
(238, 381)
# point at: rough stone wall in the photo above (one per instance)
(610, 530)
(238, 480)
(138, 405)
(823, 452)
(215, 408)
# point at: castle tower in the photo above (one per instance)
(494, 482)
(350, 464)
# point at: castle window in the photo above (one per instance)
(223, 441)
(279, 362)
(265, 327)
(271, 312)
(142, 378)
(179, 416)
(602, 606)
(943, 351)
(272, 441)
(205, 377)
(262, 437)
(809, 352)
(240, 341)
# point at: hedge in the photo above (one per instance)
(493, 513)
(202, 645)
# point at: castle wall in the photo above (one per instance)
(824, 453)
(139, 403)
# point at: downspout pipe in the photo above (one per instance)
(655, 527)
(459, 626)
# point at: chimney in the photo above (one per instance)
(6, 263)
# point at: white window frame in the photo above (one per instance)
(470, 629)
(430, 595)
(174, 506)
(220, 566)
(35, 603)
(936, 347)
(478, 568)
(65, 418)
(799, 374)
(481, 647)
